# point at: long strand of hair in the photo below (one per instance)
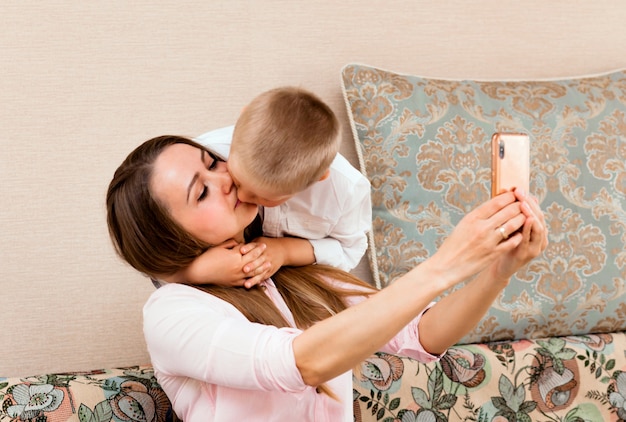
(306, 291)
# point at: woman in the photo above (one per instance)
(227, 353)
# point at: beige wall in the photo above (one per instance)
(83, 82)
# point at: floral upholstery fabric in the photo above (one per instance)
(566, 379)
(424, 144)
(123, 395)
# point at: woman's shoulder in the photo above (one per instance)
(175, 296)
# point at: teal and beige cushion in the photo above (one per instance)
(424, 144)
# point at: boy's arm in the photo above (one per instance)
(222, 265)
(343, 248)
(279, 251)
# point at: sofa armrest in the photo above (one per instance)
(120, 394)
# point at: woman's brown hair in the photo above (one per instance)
(142, 231)
(144, 235)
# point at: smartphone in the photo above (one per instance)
(510, 162)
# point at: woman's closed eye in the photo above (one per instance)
(210, 161)
(210, 165)
(213, 160)
(203, 193)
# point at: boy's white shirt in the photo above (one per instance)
(334, 214)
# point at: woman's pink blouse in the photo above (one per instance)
(215, 365)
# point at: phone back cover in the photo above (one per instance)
(513, 169)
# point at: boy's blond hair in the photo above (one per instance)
(286, 139)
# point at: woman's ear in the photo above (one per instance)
(325, 175)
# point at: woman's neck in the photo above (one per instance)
(254, 230)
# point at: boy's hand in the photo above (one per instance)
(238, 264)
(279, 251)
(273, 258)
(224, 264)
(258, 266)
(255, 263)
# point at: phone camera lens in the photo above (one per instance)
(501, 149)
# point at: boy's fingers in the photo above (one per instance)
(253, 281)
(259, 271)
(257, 248)
(254, 266)
(247, 248)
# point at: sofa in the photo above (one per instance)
(552, 346)
(419, 87)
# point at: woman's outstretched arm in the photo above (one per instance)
(459, 312)
(475, 246)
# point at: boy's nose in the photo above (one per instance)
(244, 196)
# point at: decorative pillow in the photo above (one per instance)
(424, 144)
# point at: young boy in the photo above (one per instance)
(283, 155)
